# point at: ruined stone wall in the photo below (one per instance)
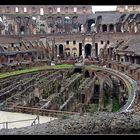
(98, 123)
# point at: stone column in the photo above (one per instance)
(108, 28)
(101, 29)
(83, 47)
(53, 49)
(135, 60)
(93, 47)
(117, 57)
(115, 29)
(8, 59)
(135, 27)
(110, 54)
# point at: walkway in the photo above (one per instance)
(12, 116)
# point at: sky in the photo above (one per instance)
(103, 8)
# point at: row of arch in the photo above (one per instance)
(35, 9)
(61, 50)
(58, 24)
(111, 28)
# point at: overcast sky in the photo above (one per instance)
(103, 8)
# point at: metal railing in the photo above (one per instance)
(5, 124)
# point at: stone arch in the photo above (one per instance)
(88, 50)
(42, 28)
(50, 9)
(67, 50)
(50, 23)
(10, 29)
(67, 24)
(26, 24)
(22, 29)
(61, 50)
(111, 28)
(59, 24)
(104, 28)
(75, 24)
(89, 23)
(74, 50)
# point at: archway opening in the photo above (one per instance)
(111, 27)
(42, 28)
(22, 29)
(89, 23)
(67, 51)
(61, 50)
(88, 50)
(104, 28)
(80, 49)
(81, 28)
(67, 24)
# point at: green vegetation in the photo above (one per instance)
(116, 106)
(35, 69)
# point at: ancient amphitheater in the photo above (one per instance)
(66, 62)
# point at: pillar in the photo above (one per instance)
(83, 47)
(101, 29)
(135, 27)
(108, 28)
(93, 47)
(115, 28)
(53, 48)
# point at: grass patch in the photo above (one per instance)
(116, 106)
(34, 69)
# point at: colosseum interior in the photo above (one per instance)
(65, 61)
